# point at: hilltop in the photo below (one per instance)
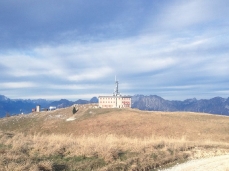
(216, 105)
(25, 106)
(128, 122)
(109, 139)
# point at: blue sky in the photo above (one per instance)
(73, 49)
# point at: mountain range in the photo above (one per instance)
(216, 105)
(16, 106)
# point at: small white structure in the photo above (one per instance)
(38, 107)
(52, 108)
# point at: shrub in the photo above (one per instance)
(74, 110)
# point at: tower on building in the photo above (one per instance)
(116, 92)
(115, 101)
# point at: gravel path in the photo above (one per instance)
(218, 163)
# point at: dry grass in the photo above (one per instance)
(127, 122)
(109, 139)
(103, 152)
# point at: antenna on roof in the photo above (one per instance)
(116, 93)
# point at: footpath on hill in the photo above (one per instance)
(218, 163)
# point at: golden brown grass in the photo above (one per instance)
(26, 152)
(127, 122)
(109, 139)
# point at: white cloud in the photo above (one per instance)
(92, 60)
(187, 16)
(92, 74)
(72, 87)
(16, 85)
(185, 46)
(185, 13)
(170, 61)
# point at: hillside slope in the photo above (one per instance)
(128, 122)
(109, 139)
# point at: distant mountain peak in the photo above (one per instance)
(94, 100)
(3, 98)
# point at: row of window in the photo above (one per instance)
(106, 102)
(125, 102)
(110, 98)
(127, 105)
(111, 106)
(107, 106)
(107, 98)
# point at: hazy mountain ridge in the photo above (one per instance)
(17, 106)
(216, 105)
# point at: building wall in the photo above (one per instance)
(114, 101)
(126, 101)
(107, 102)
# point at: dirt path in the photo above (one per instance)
(218, 163)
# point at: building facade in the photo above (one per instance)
(115, 101)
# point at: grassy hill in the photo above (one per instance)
(109, 139)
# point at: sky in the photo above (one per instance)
(73, 49)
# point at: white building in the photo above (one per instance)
(52, 108)
(115, 101)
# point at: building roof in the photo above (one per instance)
(116, 96)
